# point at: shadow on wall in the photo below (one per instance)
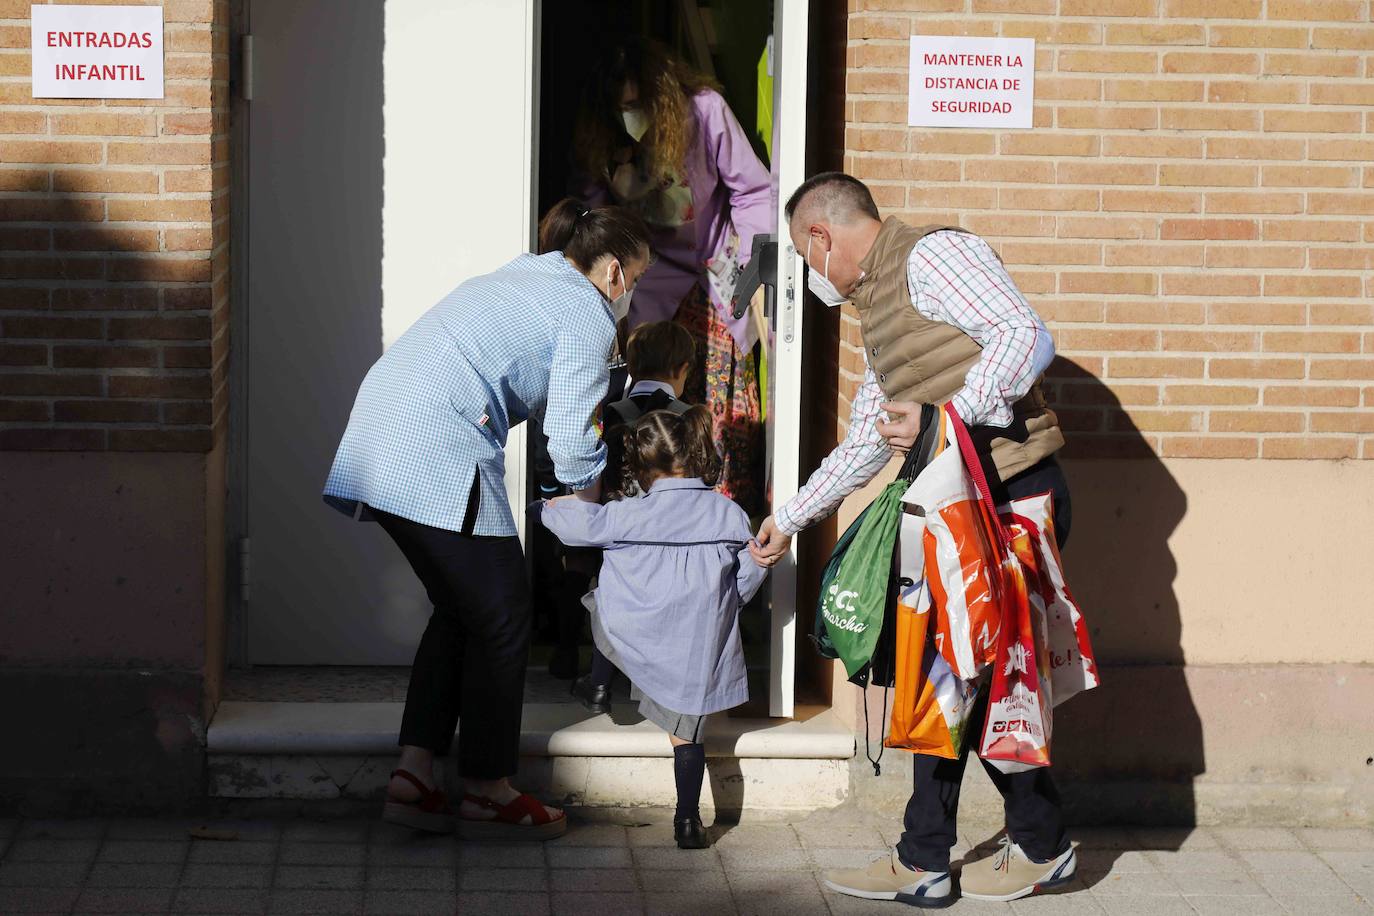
(1130, 750)
(111, 487)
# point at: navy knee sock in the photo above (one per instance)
(602, 669)
(689, 769)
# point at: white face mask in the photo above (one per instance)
(819, 281)
(636, 123)
(620, 305)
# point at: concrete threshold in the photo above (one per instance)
(758, 768)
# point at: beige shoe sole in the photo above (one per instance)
(412, 817)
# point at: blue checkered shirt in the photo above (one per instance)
(437, 407)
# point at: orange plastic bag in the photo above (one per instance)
(983, 577)
(1016, 733)
(1073, 667)
(986, 587)
(957, 545)
(930, 704)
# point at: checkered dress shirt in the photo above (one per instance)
(438, 405)
(956, 278)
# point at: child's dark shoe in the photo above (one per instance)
(596, 697)
(689, 833)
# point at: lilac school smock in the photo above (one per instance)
(675, 573)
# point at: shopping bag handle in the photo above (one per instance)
(975, 470)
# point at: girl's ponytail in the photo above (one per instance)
(632, 469)
(699, 455)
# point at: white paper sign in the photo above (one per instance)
(97, 52)
(971, 82)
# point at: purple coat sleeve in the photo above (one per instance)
(748, 182)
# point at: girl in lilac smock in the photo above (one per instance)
(655, 136)
(674, 576)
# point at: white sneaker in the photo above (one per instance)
(1009, 874)
(888, 879)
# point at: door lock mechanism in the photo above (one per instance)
(762, 270)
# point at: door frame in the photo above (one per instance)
(240, 263)
(791, 29)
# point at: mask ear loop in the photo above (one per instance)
(826, 272)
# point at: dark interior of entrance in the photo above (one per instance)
(727, 41)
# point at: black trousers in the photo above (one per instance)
(471, 661)
(1035, 819)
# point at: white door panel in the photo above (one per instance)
(389, 159)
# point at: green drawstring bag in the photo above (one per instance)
(857, 580)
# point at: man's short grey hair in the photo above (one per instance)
(831, 197)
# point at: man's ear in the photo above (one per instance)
(822, 236)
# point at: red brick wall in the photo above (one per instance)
(1192, 212)
(114, 270)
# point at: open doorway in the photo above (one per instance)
(360, 209)
(725, 52)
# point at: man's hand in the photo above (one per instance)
(769, 545)
(905, 426)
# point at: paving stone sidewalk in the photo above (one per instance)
(625, 863)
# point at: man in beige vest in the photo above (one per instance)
(942, 322)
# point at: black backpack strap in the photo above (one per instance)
(627, 410)
(921, 450)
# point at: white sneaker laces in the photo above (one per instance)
(1003, 860)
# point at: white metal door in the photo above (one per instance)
(389, 159)
(785, 374)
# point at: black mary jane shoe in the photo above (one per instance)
(595, 697)
(689, 833)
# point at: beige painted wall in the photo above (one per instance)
(1219, 561)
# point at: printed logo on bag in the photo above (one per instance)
(842, 601)
(1025, 726)
(1020, 696)
(1017, 660)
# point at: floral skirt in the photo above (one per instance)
(727, 381)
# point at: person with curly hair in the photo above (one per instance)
(654, 135)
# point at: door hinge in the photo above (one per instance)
(246, 67)
(245, 570)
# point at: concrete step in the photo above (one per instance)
(330, 750)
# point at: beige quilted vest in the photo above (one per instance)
(925, 361)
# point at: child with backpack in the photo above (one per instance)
(674, 577)
(659, 356)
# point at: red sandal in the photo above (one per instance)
(508, 822)
(430, 812)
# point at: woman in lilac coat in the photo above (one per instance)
(655, 136)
